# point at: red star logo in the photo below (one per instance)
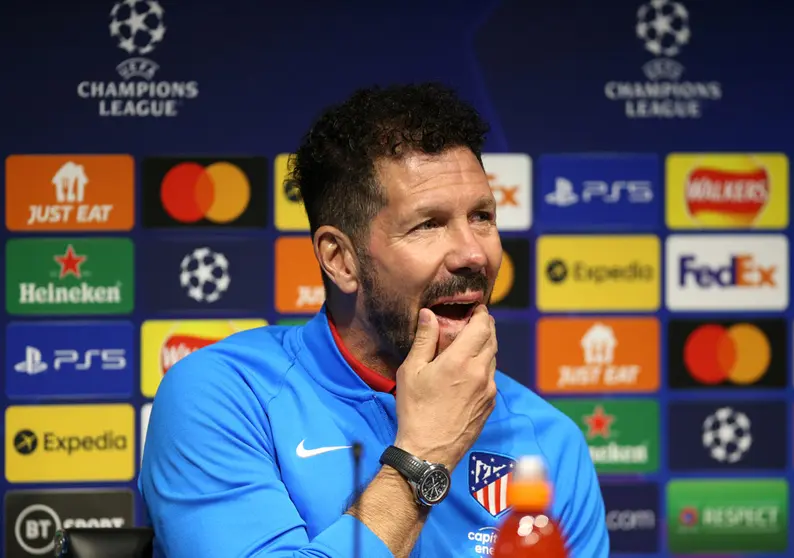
(599, 423)
(70, 263)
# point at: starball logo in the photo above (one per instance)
(138, 28)
(663, 27)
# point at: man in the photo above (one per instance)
(248, 451)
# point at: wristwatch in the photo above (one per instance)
(430, 482)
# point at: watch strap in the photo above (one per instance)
(407, 465)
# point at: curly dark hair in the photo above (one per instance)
(334, 166)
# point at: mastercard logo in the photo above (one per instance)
(219, 192)
(739, 354)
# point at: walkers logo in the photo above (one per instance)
(623, 435)
(511, 288)
(61, 276)
(138, 27)
(727, 191)
(663, 27)
(166, 342)
(290, 213)
(224, 274)
(299, 285)
(586, 190)
(204, 192)
(510, 177)
(727, 354)
(727, 515)
(69, 193)
(598, 273)
(587, 355)
(69, 359)
(33, 516)
(723, 273)
(727, 435)
(70, 443)
(632, 517)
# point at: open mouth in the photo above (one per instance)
(454, 310)
(459, 307)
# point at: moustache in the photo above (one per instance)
(456, 285)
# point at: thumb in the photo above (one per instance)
(424, 348)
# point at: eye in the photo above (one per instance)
(484, 216)
(429, 224)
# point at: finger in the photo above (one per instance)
(474, 335)
(423, 349)
(491, 347)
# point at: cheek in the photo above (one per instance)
(410, 274)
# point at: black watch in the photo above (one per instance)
(429, 481)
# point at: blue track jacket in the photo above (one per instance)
(229, 468)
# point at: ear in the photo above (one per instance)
(334, 251)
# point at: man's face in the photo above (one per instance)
(434, 245)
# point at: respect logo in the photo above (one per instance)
(598, 273)
(166, 342)
(70, 443)
(727, 191)
(727, 515)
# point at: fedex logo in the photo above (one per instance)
(742, 271)
(722, 273)
(510, 178)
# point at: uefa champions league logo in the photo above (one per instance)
(138, 28)
(663, 26)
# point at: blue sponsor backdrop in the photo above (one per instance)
(588, 191)
(632, 514)
(735, 435)
(57, 360)
(552, 77)
(207, 275)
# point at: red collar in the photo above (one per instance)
(370, 377)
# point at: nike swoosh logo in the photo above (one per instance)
(303, 452)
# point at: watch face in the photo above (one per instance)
(435, 486)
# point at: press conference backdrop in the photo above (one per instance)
(639, 154)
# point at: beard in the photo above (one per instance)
(393, 318)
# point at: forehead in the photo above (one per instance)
(419, 177)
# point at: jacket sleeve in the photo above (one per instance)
(210, 483)
(581, 505)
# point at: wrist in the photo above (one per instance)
(425, 453)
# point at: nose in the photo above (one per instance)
(466, 254)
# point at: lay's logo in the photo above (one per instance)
(723, 191)
(166, 342)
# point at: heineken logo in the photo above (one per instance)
(69, 276)
(622, 435)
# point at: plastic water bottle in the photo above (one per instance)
(527, 532)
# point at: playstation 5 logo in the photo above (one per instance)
(104, 359)
(633, 191)
(32, 363)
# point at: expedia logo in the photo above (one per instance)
(559, 271)
(26, 442)
(70, 443)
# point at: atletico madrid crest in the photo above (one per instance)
(489, 476)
